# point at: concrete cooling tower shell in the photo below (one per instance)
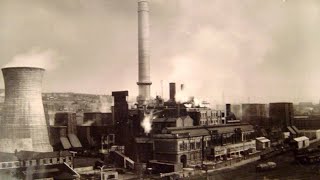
(23, 125)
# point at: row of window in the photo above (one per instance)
(192, 146)
(212, 114)
(209, 122)
(16, 164)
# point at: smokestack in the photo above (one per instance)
(144, 82)
(172, 91)
(23, 126)
(228, 109)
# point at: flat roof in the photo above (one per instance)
(302, 138)
(262, 139)
(31, 155)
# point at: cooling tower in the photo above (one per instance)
(23, 125)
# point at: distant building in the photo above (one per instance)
(307, 122)
(281, 115)
(255, 114)
(159, 124)
(206, 116)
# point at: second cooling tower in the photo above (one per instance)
(23, 126)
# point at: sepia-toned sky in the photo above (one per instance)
(231, 50)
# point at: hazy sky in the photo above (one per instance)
(266, 49)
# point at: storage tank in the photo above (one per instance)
(23, 126)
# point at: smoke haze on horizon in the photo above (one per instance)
(221, 50)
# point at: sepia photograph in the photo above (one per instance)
(159, 90)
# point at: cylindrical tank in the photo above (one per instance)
(255, 114)
(281, 114)
(23, 126)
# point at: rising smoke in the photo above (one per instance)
(147, 121)
(88, 123)
(35, 57)
(185, 96)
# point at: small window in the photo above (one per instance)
(3, 165)
(112, 176)
(9, 165)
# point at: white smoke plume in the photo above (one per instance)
(36, 57)
(88, 123)
(185, 96)
(147, 122)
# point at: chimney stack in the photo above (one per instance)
(144, 82)
(228, 109)
(172, 91)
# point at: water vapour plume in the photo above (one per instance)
(147, 122)
(88, 123)
(46, 59)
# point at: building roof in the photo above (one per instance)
(74, 140)
(56, 171)
(6, 157)
(203, 130)
(262, 139)
(65, 142)
(302, 138)
(291, 130)
(163, 120)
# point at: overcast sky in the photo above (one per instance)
(268, 50)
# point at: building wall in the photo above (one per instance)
(281, 115)
(204, 116)
(255, 114)
(171, 150)
(307, 122)
(66, 119)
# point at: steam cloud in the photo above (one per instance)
(147, 122)
(35, 57)
(88, 123)
(185, 96)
